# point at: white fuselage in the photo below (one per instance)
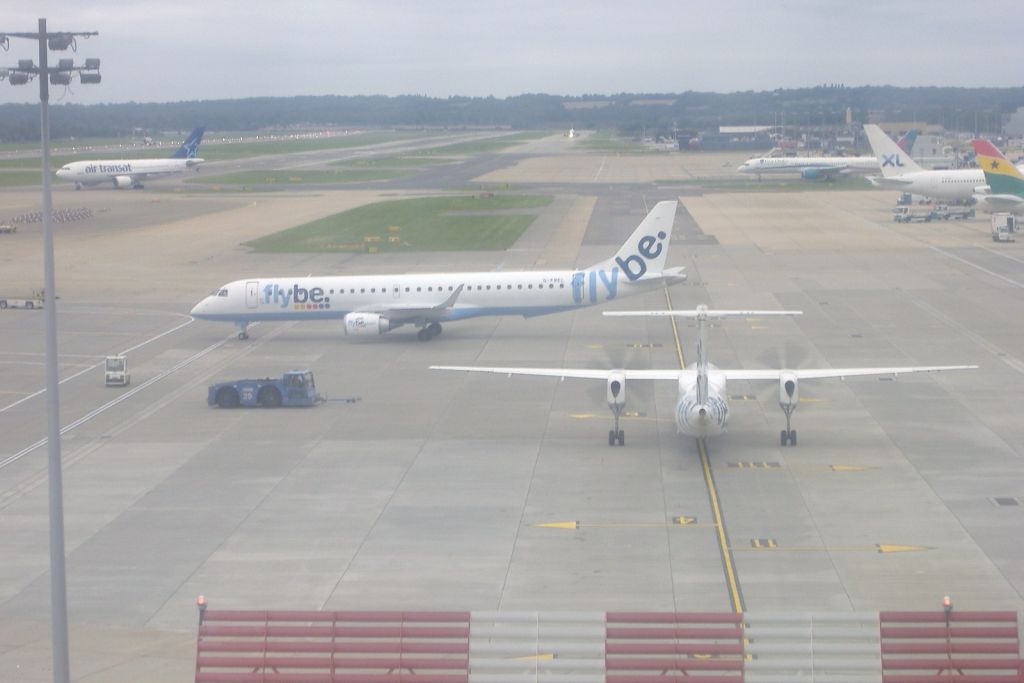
(697, 419)
(951, 185)
(526, 293)
(121, 173)
(769, 165)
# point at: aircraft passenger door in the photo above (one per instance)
(397, 290)
(252, 294)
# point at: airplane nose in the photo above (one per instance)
(198, 308)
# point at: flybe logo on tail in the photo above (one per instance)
(635, 265)
(891, 160)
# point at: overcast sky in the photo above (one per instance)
(171, 50)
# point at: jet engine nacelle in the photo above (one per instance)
(789, 393)
(811, 174)
(122, 181)
(616, 390)
(366, 324)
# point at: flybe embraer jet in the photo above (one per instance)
(371, 305)
(132, 172)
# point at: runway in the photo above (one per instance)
(440, 491)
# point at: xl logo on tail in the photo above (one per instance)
(891, 160)
(635, 265)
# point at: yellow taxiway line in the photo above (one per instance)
(735, 597)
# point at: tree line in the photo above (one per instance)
(983, 110)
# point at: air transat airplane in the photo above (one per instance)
(809, 168)
(702, 409)
(1006, 182)
(370, 305)
(900, 172)
(132, 172)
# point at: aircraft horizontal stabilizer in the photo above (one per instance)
(570, 373)
(840, 373)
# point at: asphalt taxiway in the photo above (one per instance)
(447, 491)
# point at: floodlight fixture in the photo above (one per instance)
(62, 41)
(88, 79)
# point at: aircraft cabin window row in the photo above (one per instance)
(451, 288)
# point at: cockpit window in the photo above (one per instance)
(222, 292)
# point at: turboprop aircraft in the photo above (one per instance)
(132, 172)
(370, 305)
(702, 408)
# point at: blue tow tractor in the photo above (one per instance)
(294, 388)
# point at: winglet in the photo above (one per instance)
(450, 301)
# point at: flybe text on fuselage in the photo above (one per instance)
(298, 296)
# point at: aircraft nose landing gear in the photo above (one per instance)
(617, 404)
(788, 399)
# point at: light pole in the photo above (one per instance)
(58, 75)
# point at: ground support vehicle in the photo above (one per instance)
(115, 372)
(31, 302)
(905, 214)
(293, 388)
(955, 213)
(1004, 227)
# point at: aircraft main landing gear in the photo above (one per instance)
(428, 332)
(616, 436)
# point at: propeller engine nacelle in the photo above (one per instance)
(789, 394)
(122, 181)
(366, 324)
(616, 391)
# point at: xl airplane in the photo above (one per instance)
(702, 408)
(371, 305)
(809, 168)
(900, 172)
(133, 172)
(1004, 179)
